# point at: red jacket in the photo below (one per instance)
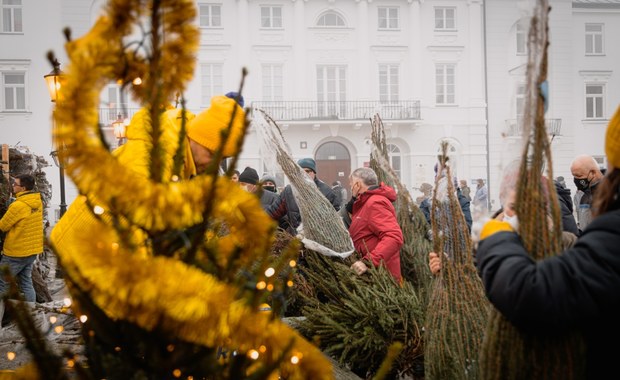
(375, 230)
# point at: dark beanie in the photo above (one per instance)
(249, 175)
(307, 163)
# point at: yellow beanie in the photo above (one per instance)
(207, 127)
(612, 140)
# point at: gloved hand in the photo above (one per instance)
(494, 226)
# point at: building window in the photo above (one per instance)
(388, 83)
(14, 91)
(520, 100)
(331, 20)
(12, 16)
(521, 39)
(331, 85)
(445, 83)
(271, 17)
(594, 39)
(395, 158)
(272, 82)
(445, 18)
(114, 102)
(594, 101)
(210, 15)
(211, 81)
(388, 17)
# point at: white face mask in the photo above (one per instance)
(513, 221)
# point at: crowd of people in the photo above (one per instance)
(577, 289)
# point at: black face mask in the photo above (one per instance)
(582, 184)
(270, 188)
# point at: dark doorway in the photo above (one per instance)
(333, 163)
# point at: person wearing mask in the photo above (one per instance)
(269, 183)
(374, 228)
(575, 290)
(586, 175)
(23, 225)
(248, 180)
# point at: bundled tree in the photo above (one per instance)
(356, 319)
(457, 310)
(508, 353)
(416, 246)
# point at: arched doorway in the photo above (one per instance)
(333, 163)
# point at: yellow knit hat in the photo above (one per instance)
(207, 127)
(612, 140)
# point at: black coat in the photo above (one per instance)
(286, 206)
(566, 207)
(579, 289)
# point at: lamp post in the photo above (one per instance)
(53, 81)
(120, 129)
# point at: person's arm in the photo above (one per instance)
(17, 211)
(559, 292)
(277, 210)
(384, 225)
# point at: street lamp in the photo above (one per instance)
(54, 81)
(120, 129)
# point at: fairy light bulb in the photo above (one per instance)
(67, 301)
(292, 263)
(253, 354)
(53, 319)
(176, 373)
(270, 272)
(137, 81)
(98, 210)
(83, 318)
(270, 287)
(289, 283)
(10, 355)
(294, 359)
(261, 285)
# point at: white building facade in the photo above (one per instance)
(434, 70)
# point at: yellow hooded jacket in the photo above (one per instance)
(23, 223)
(135, 153)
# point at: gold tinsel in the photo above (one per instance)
(137, 286)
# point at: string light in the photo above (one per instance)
(98, 210)
(253, 354)
(262, 349)
(137, 81)
(292, 263)
(289, 283)
(59, 329)
(176, 373)
(10, 355)
(83, 318)
(175, 178)
(270, 287)
(70, 363)
(170, 347)
(117, 349)
(270, 272)
(294, 359)
(261, 285)
(67, 301)
(53, 319)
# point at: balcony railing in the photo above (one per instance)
(515, 128)
(340, 110)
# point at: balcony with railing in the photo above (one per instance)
(339, 110)
(515, 127)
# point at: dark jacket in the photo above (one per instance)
(286, 206)
(566, 208)
(374, 228)
(425, 207)
(579, 289)
(268, 198)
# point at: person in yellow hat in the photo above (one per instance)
(204, 138)
(576, 290)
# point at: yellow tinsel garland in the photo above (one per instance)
(158, 291)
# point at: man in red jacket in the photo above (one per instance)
(374, 229)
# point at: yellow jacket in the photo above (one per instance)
(23, 223)
(79, 219)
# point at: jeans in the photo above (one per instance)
(21, 269)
